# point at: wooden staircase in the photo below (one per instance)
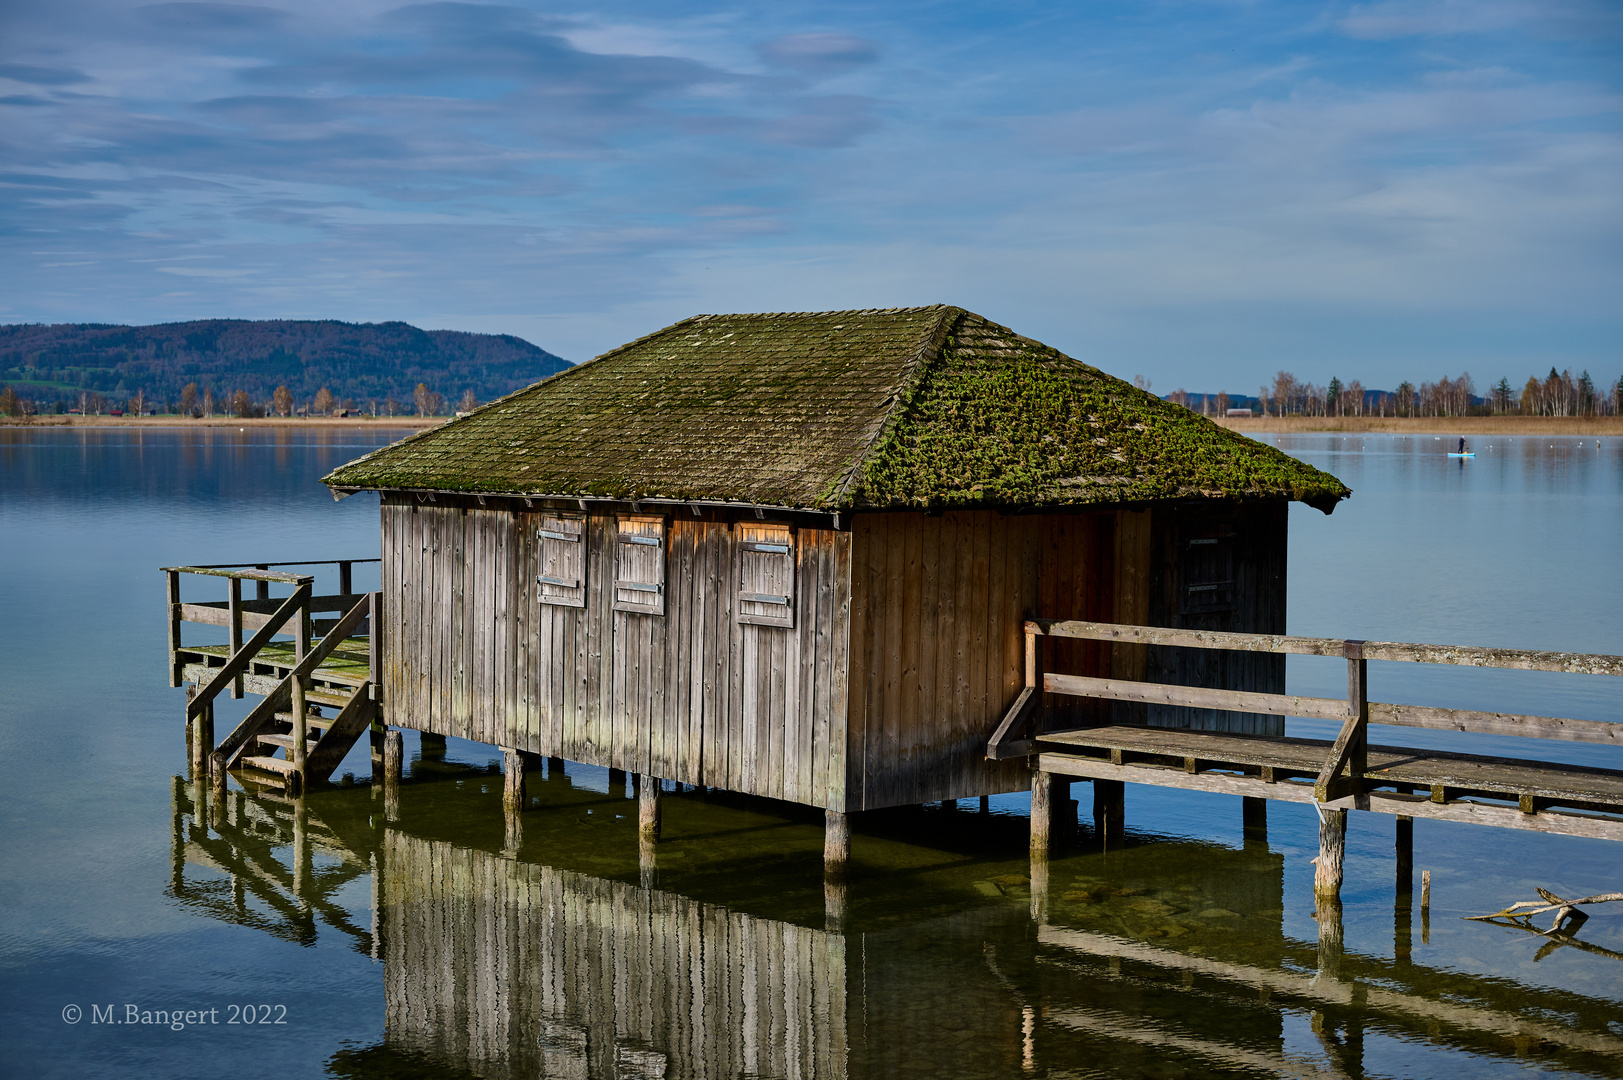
(319, 694)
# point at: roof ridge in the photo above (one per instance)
(912, 374)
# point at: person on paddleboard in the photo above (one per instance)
(1462, 446)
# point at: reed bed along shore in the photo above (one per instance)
(1430, 425)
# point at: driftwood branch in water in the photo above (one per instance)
(1568, 916)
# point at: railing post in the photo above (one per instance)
(234, 605)
(301, 641)
(262, 588)
(175, 672)
(344, 577)
(1358, 705)
(300, 734)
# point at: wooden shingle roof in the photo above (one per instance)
(830, 411)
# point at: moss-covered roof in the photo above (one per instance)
(841, 410)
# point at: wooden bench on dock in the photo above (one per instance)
(320, 664)
(1348, 772)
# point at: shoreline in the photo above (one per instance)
(180, 422)
(1427, 425)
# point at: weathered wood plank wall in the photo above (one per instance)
(512, 969)
(905, 648)
(1258, 534)
(937, 649)
(691, 695)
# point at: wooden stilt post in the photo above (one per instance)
(555, 767)
(513, 788)
(836, 843)
(1109, 810)
(986, 804)
(617, 782)
(1332, 848)
(1404, 846)
(203, 741)
(1039, 886)
(433, 746)
(300, 750)
(394, 757)
(1042, 813)
(648, 810)
(302, 861)
(1254, 818)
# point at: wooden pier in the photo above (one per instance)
(320, 692)
(1348, 773)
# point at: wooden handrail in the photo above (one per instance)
(265, 565)
(1343, 771)
(243, 575)
(238, 662)
(231, 746)
(1467, 655)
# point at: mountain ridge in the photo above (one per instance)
(359, 362)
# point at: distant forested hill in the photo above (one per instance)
(361, 363)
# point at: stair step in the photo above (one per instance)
(286, 741)
(327, 697)
(270, 764)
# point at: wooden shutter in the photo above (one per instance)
(562, 543)
(766, 574)
(1208, 571)
(639, 564)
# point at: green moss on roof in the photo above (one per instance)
(907, 407)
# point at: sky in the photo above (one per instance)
(1200, 192)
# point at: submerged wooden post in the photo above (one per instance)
(648, 810)
(1254, 818)
(1042, 813)
(513, 788)
(1330, 937)
(1332, 849)
(1404, 846)
(836, 843)
(647, 863)
(836, 903)
(203, 741)
(433, 746)
(1109, 809)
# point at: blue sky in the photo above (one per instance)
(1198, 192)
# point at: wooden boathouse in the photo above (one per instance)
(853, 560)
(795, 555)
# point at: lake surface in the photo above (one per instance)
(437, 945)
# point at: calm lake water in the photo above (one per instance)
(428, 946)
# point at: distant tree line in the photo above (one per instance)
(1557, 394)
(198, 402)
(96, 368)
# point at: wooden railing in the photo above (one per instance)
(238, 614)
(1345, 764)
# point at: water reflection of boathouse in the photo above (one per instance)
(1164, 955)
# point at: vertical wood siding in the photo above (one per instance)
(937, 648)
(905, 649)
(690, 695)
(1259, 532)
